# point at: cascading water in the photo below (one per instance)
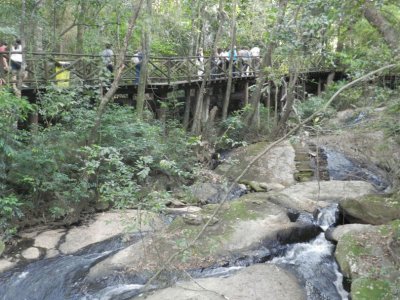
(342, 168)
(60, 277)
(313, 262)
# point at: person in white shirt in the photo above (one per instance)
(16, 62)
(255, 58)
(16, 56)
(200, 63)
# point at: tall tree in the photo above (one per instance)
(388, 31)
(253, 119)
(146, 36)
(231, 62)
(120, 66)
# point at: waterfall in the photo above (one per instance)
(314, 264)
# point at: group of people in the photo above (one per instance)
(107, 56)
(13, 62)
(244, 62)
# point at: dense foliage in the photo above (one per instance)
(51, 172)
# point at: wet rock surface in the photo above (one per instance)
(258, 282)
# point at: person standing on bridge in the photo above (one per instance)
(107, 55)
(16, 62)
(255, 58)
(3, 62)
(137, 61)
(200, 63)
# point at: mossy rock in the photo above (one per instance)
(366, 288)
(372, 209)
(369, 259)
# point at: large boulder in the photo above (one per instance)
(257, 282)
(207, 192)
(372, 209)
(245, 224)
(335, 233)
(107, 225)
(276, 166)
(370, 257)
(329, 191)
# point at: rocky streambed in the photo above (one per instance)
(266, 244)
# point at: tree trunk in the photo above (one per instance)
(288, 106)
(120, 66)
(81, 27)
(196, 125)
(253, 120)
(231, 61)
(389, 33)
(145, 62)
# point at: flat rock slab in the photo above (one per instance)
(329, 191)
(248, 223)
(108, 225)
(335, 234)
(258, 282)
(276, 166)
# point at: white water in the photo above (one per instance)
(314, 264)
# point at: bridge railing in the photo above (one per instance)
(65, 69)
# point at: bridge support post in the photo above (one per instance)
(161, 96)
(188, 103)
(319, 86)
(34, 119)
(206, 106)
(246, 93)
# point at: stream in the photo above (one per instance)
(313, 263)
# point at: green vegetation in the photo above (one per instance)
(50, 174)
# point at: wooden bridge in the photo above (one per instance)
(165, 75)
(67, 69)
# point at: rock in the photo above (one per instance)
(206, 192)
(31, 253)
(248, 223)
(276, 166)
(6, 264)
(255, 185)
(52, 253)
(335, 233)
(275, 187)
(298, 233)
(192, 219)
(258, 282)
(175, 203)
(182, 210)
(330, 191)
(102, 206)
(48, 239)
(372, 209)
(108, 225)
(292, 202)
(366, 257)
